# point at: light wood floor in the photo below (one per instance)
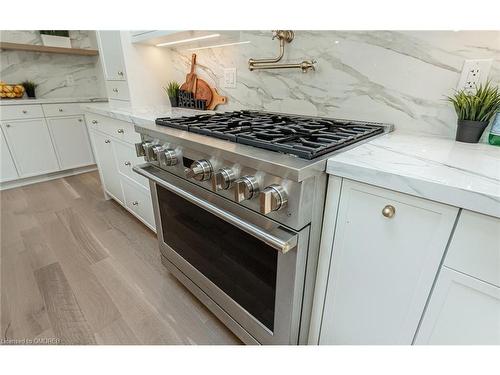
(81, 270)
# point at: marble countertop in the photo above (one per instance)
(459, 174)
(139, 115)
(25, 101)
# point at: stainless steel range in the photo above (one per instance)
(238, 200)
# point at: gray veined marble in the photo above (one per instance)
(399, 77)
(49, 71)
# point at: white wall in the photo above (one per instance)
(48, 70)
(389, 76)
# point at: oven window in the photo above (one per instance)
(239, 264)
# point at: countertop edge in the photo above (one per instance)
(451, 195)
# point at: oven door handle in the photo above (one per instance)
(281, 239)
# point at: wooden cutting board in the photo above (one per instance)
(190, 83)
(216, 99)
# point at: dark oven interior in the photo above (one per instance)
(240, 265)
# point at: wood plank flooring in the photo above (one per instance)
(77, 269)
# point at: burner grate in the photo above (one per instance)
(297, 135)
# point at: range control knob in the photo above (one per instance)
(223, 179)
(140, 148)
(152, 152)
(272, 198)
(200, 170)
(245, 187)
(167, 158)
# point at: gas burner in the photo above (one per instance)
(305, 137)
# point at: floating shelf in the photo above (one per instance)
(46, 49)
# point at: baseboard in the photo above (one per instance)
(46, 177)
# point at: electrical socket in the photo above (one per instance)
(474, 73)
(70, 80)
(229, 81)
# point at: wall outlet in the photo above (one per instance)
(229, 81)
(70, 80)
(474, 73)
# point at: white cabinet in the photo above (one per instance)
(112, 55)
(462, 310)
(8, 169)
(31, 146)
(107, 164)
(382, 268)
(71, 141)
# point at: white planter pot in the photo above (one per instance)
(56, 41)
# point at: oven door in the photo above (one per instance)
(247, 269)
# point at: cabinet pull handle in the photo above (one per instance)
(135, 203)
(94, 121)
(25, 111)
(120, 131)
(127, 163)
(107, 141)
(388, 211)
(60, 109)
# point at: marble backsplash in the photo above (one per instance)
(49, 70)
(399, 77)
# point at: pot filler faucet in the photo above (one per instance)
(272, 63)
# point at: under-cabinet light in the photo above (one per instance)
(188, 40)
(219, 45)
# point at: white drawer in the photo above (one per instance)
(63, 109)
(126, 159)
(15, 112)
(117, 90)
(119, 129)
(138, 200)
(475, 247)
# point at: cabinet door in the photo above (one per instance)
(462, 311)
(382, 267)
(8, 169)
(31, 146)
(107, 164)
(71, 141)
(112, 55)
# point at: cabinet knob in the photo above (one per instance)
(127, 163)
(115, 90)
(107, 141)
(60, 109)
(7, 125)
(135, 203)
(94, 121)
(120, 73)
(388, 211)
(80, 120)
(25, 111)
(120, 131)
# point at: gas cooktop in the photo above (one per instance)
(302, 136)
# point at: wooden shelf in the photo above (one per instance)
(46, 49)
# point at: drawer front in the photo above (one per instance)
(64, 109)
(117, 90)
(17, 112)
(121, 130)
(138, 200)
(475, 247)
(126, 159)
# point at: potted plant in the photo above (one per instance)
(474, 111)
(172, 91)
(29, 87)
(56, 38)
